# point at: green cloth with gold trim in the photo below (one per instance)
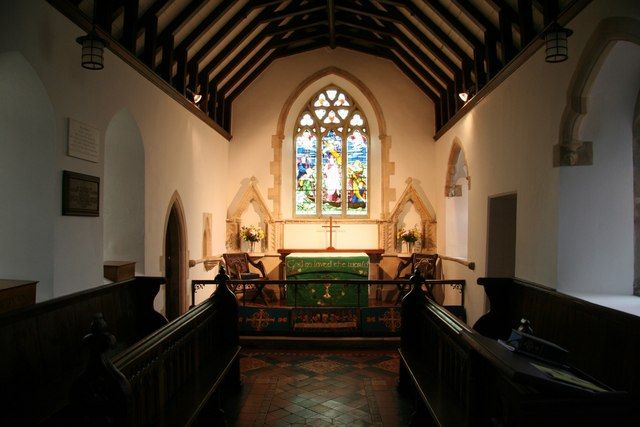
(322, 265)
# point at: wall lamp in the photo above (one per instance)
(555, 40)
(467, 93)
(195, 97)
(92, 51)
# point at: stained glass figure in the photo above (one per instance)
(356, 174)
(331, 174)
(306, 149)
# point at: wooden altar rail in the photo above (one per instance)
(461, 378)
(171, 377)
(457, 284)
(470, 264)
(41, 345)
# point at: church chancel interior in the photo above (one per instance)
(320, 212)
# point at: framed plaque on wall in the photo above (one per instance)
(80, 194)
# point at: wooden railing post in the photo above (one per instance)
(101, 395)
(410, 332)
(228, 305)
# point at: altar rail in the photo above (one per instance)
(358, 320)
(457, 284)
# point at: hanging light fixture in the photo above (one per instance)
(92, 51)
(555, 40)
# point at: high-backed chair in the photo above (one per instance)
(430, 267)
(237, 264)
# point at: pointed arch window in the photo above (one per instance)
(332, 157)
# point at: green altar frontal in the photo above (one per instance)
(347, 265)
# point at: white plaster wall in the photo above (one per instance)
(408, 114)
(26, 175)
(595, 234)
(181, 152)
(123, 189)
(508, 139)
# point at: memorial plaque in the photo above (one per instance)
(80, 194)
(84, 141)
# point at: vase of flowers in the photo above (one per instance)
(409, 236)
(251, 234)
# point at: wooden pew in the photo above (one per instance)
(601, 341)
(171, 378)
(41, 345)
(462, 378)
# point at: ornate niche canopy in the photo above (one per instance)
(251, 195)
(427, 220)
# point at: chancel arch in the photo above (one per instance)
(175, 259)
(124, 184)
(456, 192)
(596, 201)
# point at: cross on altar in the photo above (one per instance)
(330, 227)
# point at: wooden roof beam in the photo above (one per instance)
(218, 12)
(312, 21)
(192, 8)
(291, 12)
(331, 16)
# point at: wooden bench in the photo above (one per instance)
(41, 345)
(600, 340)
(173, 377)
(459, 377)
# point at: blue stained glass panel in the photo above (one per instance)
(331, 174)
(306, 159)
(357, 183)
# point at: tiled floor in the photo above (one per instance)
(318, 388)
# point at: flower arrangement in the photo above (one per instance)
(251, 233)
(410, 235)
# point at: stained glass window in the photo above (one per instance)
(332, 157)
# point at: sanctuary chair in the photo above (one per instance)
(430, 267)
(237, 264)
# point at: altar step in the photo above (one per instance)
(289, 342)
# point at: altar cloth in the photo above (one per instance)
(327, 265)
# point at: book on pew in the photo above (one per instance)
(249, 276)
(529, 345)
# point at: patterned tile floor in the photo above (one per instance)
(319, 388)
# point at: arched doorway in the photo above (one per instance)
(175, 261)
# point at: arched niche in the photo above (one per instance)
(251, 206)
(596, 203)
(29, 185)
(124, 191)
(457, 186)
(412, 198)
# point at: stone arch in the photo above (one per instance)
(427, 219)
(596, 205)
(124, 191)
(30, 185)
(251, 195)
(450, 184)
(570, 151)
(387, 167)
(175, 210)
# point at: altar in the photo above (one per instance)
(327, 265)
